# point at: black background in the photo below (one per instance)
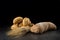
(37, 11)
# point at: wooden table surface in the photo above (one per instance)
(49, 35)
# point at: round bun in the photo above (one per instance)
(17, 20)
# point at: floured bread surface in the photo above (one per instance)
(52, 26)
(42, 27)
(35, 29)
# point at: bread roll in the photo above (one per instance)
(26, 21)
(42, 27)
(14, 26)
(17, 20)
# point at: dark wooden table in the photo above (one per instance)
(50, 35)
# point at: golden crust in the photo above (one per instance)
(26, 21)
(14, 26)
(17, 20)
(20, 25)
